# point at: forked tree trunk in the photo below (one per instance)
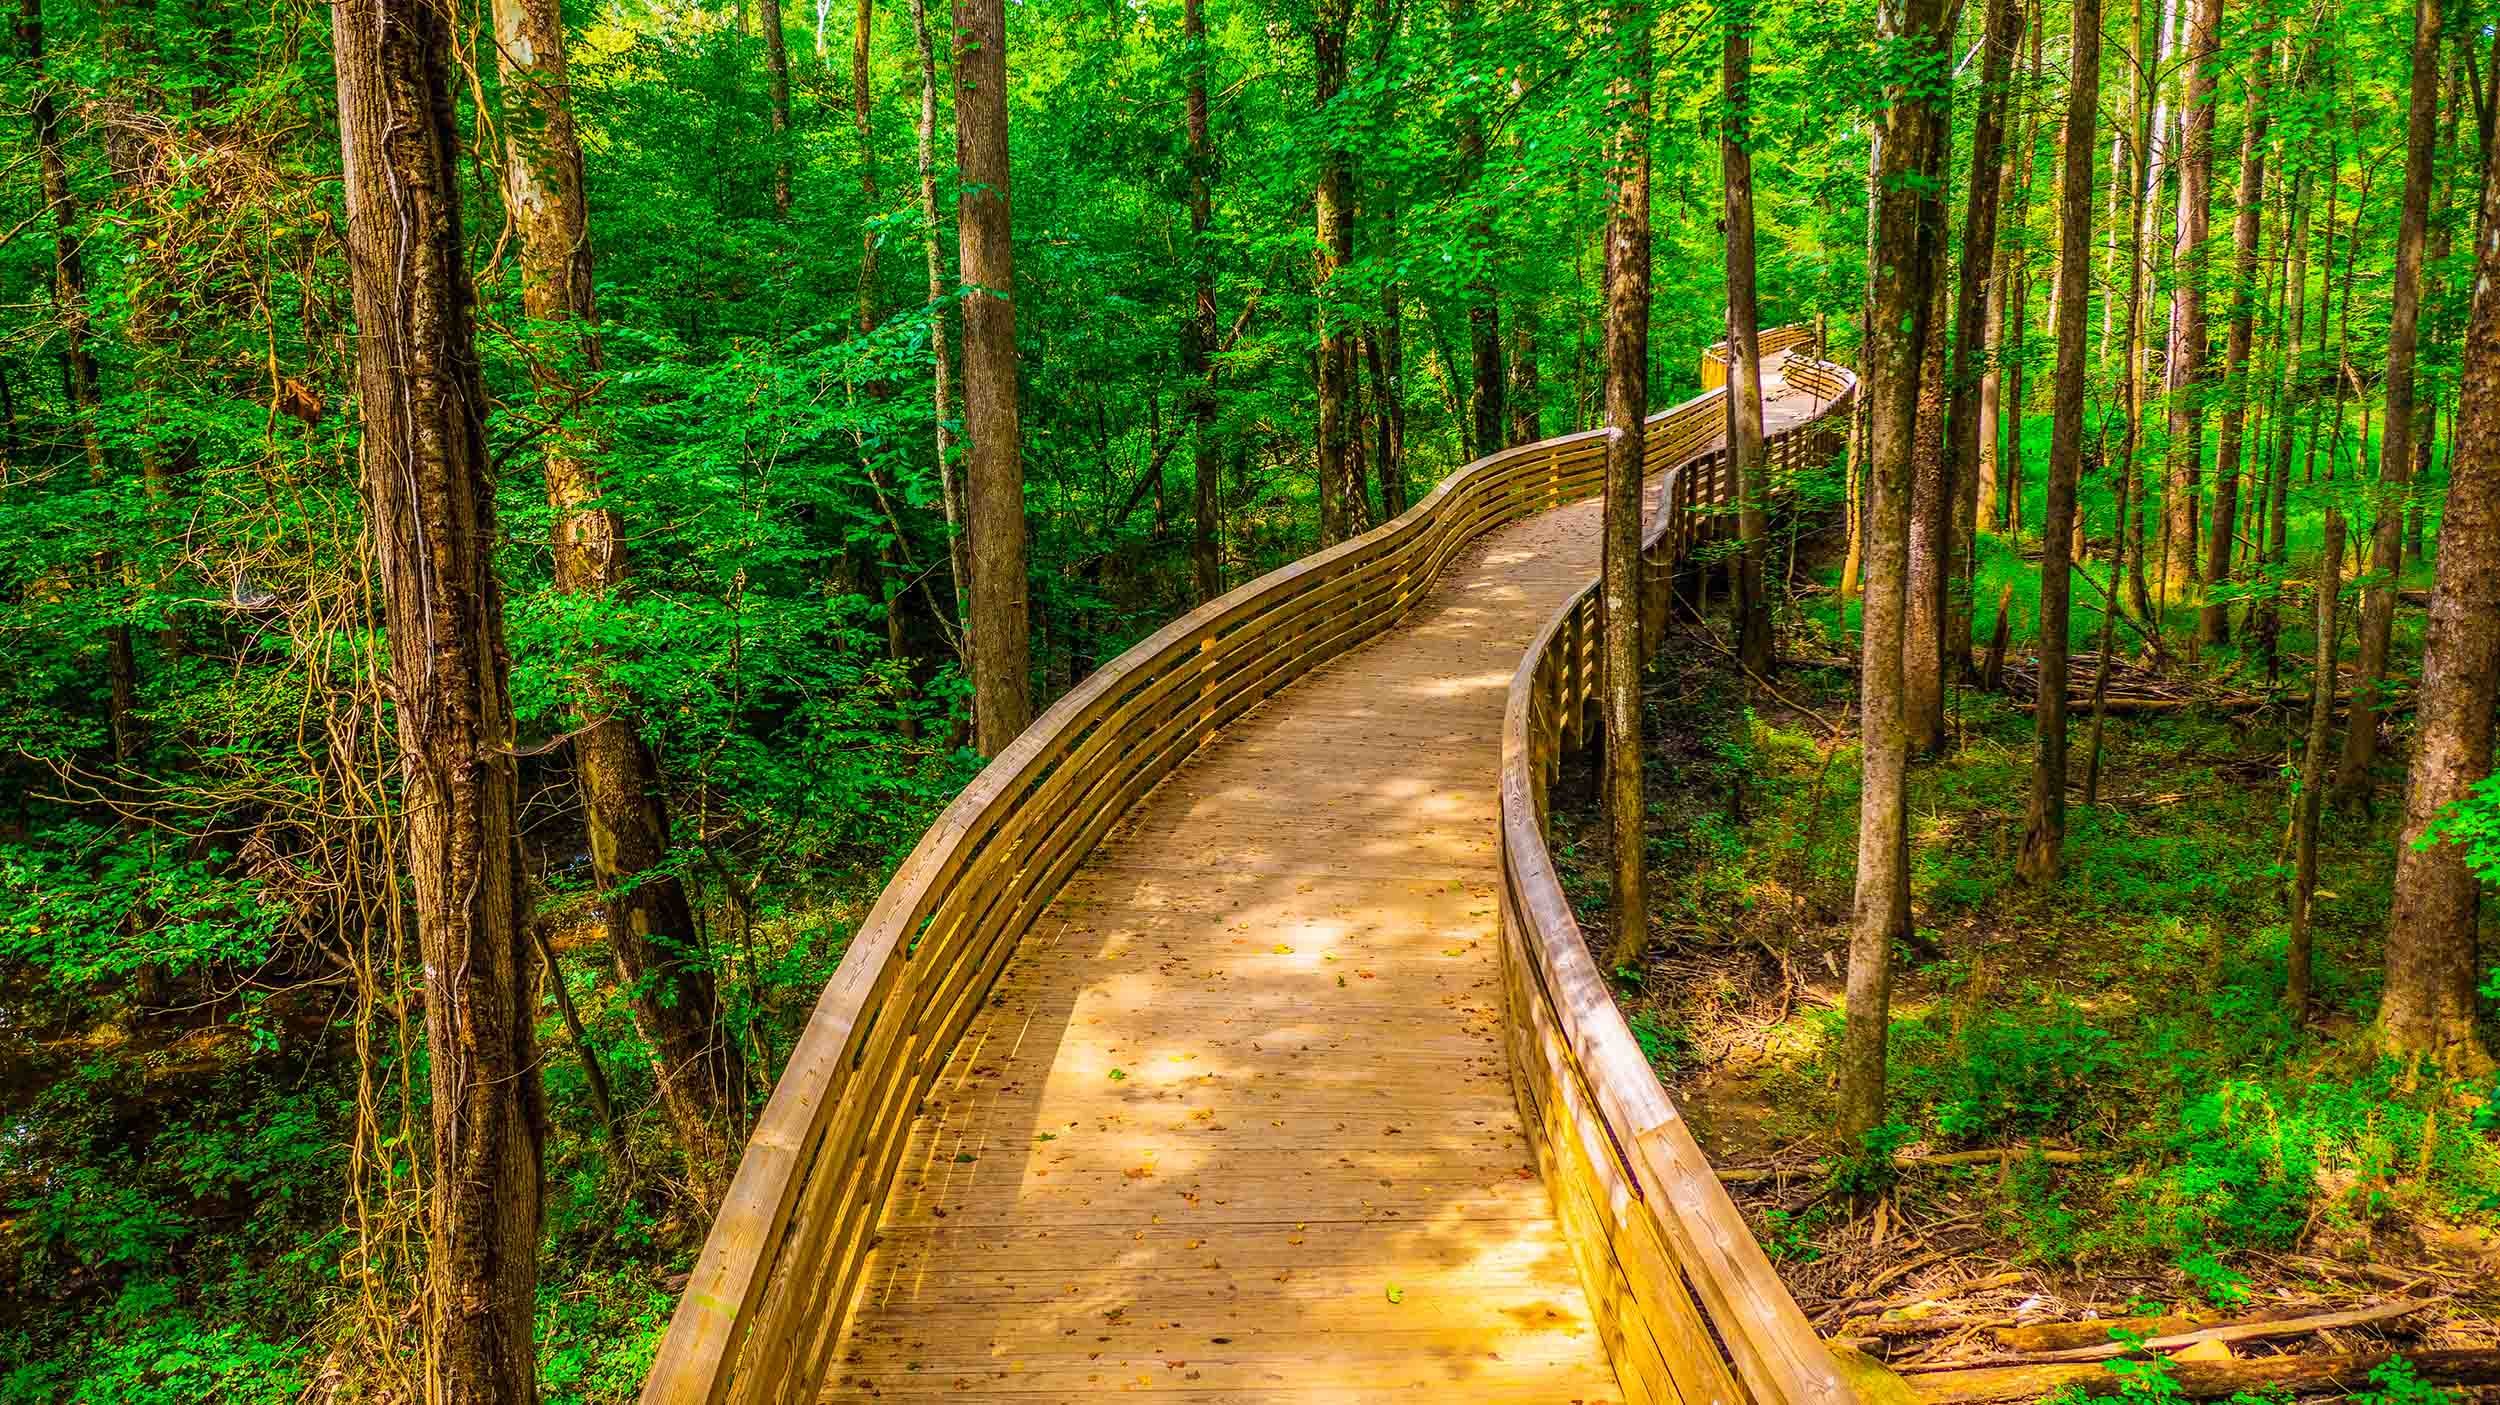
(429, 494)
(651, 928)
(1627, 407)
(2404, 309)
(2044, 823)
(1912, 127)
(1744, 346)
(1002, 648)
(1198, 334)
(2427, 1009)
(2214, 619)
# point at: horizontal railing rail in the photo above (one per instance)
(763, 1309)
(1687, 1303)
(1799, 338)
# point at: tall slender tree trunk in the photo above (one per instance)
(1484, 314)
(1898, 326)
(1340, 495)
(2018, 300)
(2395, 468)
(941, 291)
(1628, 52)
(1391, 342)
(1931, 496)
(2184, 365)
(2313, 769)
(863, 108)
(1198, 335)
(777, 74)
(1526, 396)
(2247, 224)
(1744, 346)
(429, 494)
(651, 928)
(2427, 1009)
(2141, 207)
(2044, 824)
(1001, 625)
(2012, 192)
(2003, 39)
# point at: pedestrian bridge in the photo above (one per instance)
(1230, 1038)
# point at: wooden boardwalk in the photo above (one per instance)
(1236, 1124)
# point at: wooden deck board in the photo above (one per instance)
(1236, 1125)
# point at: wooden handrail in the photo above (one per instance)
(1688, 1305)
(1796, 337)
(763, 1309)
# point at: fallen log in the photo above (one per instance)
(2255, 1327)
(2040, 1337)
(2206, 1380)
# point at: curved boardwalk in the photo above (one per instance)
(1236, 1124)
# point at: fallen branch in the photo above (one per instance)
(1902, 1161)
(2206, 1380)
(2258, 1327)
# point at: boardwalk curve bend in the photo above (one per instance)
(1231, 1047)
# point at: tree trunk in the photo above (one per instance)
(1198, 335)
(1392, 343)
(942, 383)
(2296, 978)
(1964, 424)
(1526, 397)
(2427, 1009)
(1340, 496)
(1484, 315)
(1627, 409)
(777, 69)
(1002, 660)
(2395, 465)
(650, 923)
(862, 108)
(1898, 326)
(2184, 363)
(2143, 185)
(1931, 512)
(1744, 347)
(2044, 825)
(430, 497)
(2214, 619)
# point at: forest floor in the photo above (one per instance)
(2204, 1151)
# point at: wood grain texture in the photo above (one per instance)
(1273, 914)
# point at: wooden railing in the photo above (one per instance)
(764, 1307)
(1688, 1305)
(1799, 337)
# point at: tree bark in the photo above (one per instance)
(2395, 468)
(2247, 223)
(1931, 499)
(2427, 1008)
(777, 73)
(1898, 326)
(942, 381)
(1002, 647)
(863, 107)
(430, 498)
(1198, 334)
(1526, 397)
(2296, 968)
(1744, 346)
(2044, 824)
(1627, 410)
(651, 928)
(2184, 364)
(1484, 314)
(2003, 38)
(1340, 494)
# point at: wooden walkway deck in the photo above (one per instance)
(1236, 1125)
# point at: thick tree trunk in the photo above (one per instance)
(942, 382)
(1744, 346)
(1898, 326)
(1198, 335)
(1964, 425)
(2214, 619)
(863, 107)
(650, 923)
(430, 498)
(1002, 648)
(777, 73)
(2427, 1009)
(2044, 825)
(1340, 494)
(2395, 469)
(2184, 364)
(1627, 409)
